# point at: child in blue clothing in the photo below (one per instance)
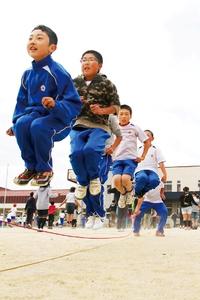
(90, 131)
(47, 103)
(153, 199)
(95, 204)
(146, 173)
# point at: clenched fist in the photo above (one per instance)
(48, 102)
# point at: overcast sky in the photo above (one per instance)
(151, 51)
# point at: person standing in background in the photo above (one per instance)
(30, 209)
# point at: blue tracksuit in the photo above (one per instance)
(154, 201)
(36, 127)
(95, 204)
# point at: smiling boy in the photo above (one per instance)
(47, 103)
(91, 129)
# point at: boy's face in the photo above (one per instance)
(90, 66)
(151, 138)
(38, 45)
(124, 117)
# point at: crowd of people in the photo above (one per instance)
(41, 210)
(50, 106)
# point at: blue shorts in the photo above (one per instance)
(126, 166)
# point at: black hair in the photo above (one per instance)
(52, 202)
(72, 189)
(53, 39)
(151, 133)
(127, 107)
(98, 55)
(31, 194)
(186, 189)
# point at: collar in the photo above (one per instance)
(40, 64)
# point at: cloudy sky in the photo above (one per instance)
(151, 52)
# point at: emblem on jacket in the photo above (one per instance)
(42, 88)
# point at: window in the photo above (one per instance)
(199, 184)
(168, 186)
(178, 186)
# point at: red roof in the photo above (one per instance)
(20, 196)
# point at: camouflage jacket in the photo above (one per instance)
(100, 91)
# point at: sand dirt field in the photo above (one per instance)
(112, 266)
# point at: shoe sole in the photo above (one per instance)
(24, 182)
(35, 183)
(94, 194)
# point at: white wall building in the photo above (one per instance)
(180, 176)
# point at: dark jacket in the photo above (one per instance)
(30, 204)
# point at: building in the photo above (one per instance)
(9, 197)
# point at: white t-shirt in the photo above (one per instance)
(113, 124)
(153, 196)
(70, 198)
(127, 149)
(151, 161)
(62, 215)
(13, 211)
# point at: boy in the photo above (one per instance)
(30, 209)
(126, 158)
(95, 204)
(51, 214)
(153, 200)
(146, 173)
(47, 103)
(90, 131)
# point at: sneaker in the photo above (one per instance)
(90, 222)
(24, 177)
(80, 191)
(98, 223)
(136, 233)
(158, 233)
(42, 179)
(95, 187)
(122, 201)
(129, 198)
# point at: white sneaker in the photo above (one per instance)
(129, 197)
(122, 201)
(80, 191)
(90, 222)
(99, 223)
(95, 187)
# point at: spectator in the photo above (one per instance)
(13, 213)
(30, 209)
(174, 217)
(186, 207)
(51, 214)
(62, 218)
(195, 210)
(71, 204)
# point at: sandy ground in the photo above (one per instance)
(39, 265)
